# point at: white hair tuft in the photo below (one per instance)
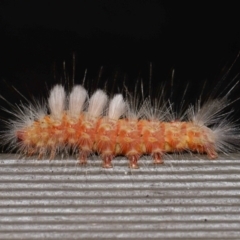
(77, 99)
(117, 107)
(97, 103)
(56, 101)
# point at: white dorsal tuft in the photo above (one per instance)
(97, 103)
(117, 107)
(56, 101)
(77, 99)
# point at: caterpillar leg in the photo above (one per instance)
(133, 161)
(30, 151)
(157, 158)
(83, 157)
(52, 153)
(107, 161)
(211, 152)
(42, 152)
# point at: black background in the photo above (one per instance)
(198, 39)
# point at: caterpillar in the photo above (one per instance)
(86, 125)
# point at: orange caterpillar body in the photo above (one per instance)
(110, 138)
(87, 130)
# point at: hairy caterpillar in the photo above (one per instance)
(85, 125)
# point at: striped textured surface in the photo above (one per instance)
(182, 199)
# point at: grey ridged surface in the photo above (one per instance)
(182, 199)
